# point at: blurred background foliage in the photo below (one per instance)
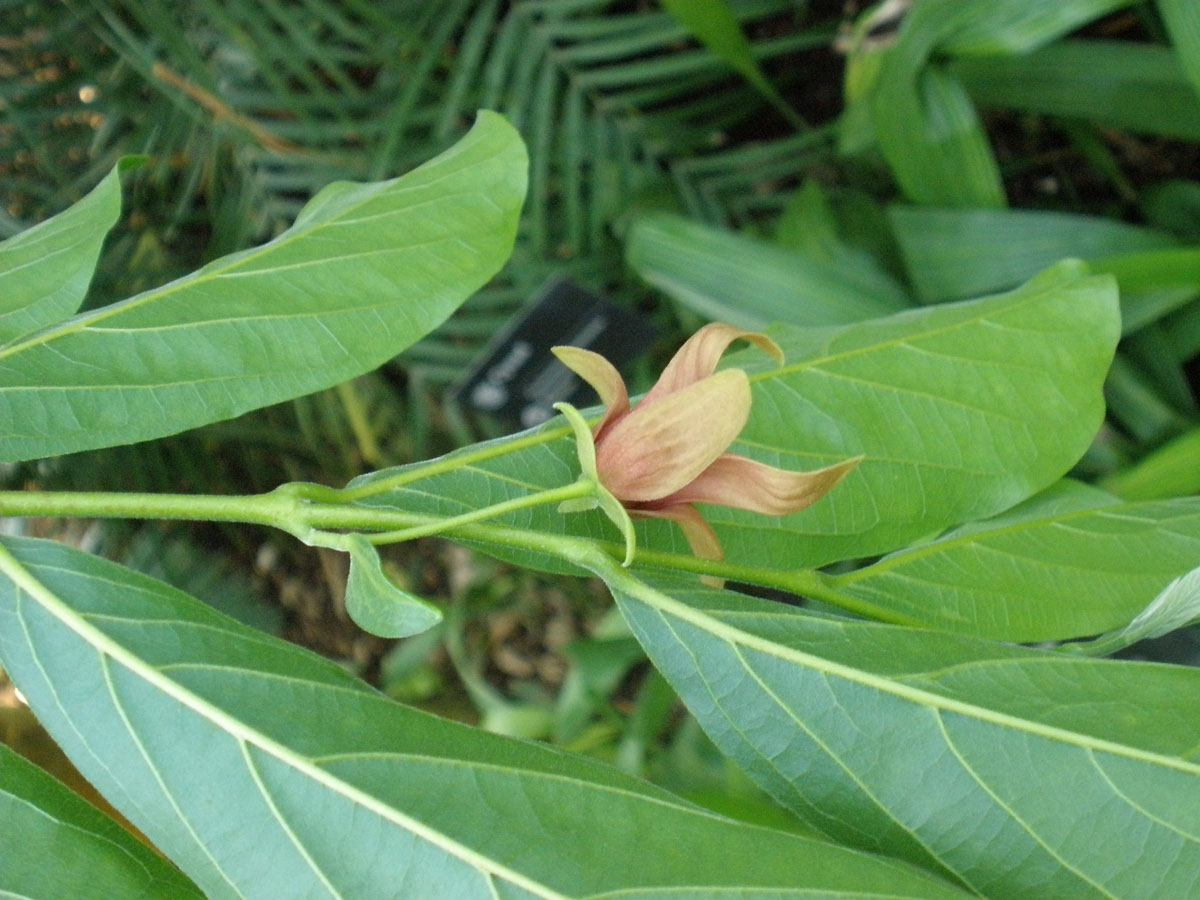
(752, 160)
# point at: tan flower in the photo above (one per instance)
(669, 452)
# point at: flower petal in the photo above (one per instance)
(744, 483)
(700, 535)
(659, 447)
(602, 376)
(699, 355)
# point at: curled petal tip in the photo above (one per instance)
(744, 483)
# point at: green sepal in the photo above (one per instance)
(602, 497)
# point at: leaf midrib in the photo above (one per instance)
(231, 726)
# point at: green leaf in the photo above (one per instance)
(1139, 87)
(933, 140)
(1182, 19)
(1018, 26)
(45, 271)
(1026, 774)
(376, 603)
(713, 23)
(366, 270)
(1171, 470)
(948, 404)
(1177, 606)
(59, 845)
(951, 254)
(750, 283)
(265, 771)
(1067, 564)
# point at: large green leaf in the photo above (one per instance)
(949, 405)
(1027, 774)
(45, 271)
(366, 270)
(58, 845)
(1069, 563)
(265, 771)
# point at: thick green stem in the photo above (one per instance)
(306, 512)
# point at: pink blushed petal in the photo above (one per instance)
(744, 483)
(699, 355)
(604, 379)
(659, 447)
(700, 535)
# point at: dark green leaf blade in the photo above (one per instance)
(1139, 87)
(749, 283)
(1183, 25)
(714, 24)
(366, 270)
(45, 271)
(951, 254)
(268, 772)
(59, 845)
(1028, 774)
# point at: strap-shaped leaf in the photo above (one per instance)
(267, 772)
(366, 270)
(1123, 84)
(949, 405)
(1044, 571)
(58, 845)
(955, 253)
(752, 284)
(1028, 774)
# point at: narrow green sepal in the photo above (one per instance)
(585, 448)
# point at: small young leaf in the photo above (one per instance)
(376, 603)
(1176, 606)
